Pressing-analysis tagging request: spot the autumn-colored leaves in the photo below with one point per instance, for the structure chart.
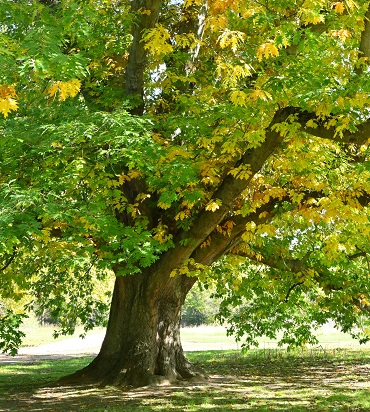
(59, 89)
(63, 90)
(8, 100)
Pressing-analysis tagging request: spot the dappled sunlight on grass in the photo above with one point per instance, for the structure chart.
(256, 381)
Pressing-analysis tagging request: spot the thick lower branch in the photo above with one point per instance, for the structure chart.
(230, 189)
(222, 240)
(365, 36)
(359, 137)
(146, 13)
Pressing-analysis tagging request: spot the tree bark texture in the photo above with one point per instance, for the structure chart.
(136, 66)
(142, 344)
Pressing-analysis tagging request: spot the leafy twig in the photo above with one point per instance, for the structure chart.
(8, 263)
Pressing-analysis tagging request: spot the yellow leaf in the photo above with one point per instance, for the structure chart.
(259, 257)
(7, 91)
(246, 13)
(267, 50)
(185, 40)
(232, 73)
(7, 105)
(213, 205)
(156, 40)
(237, 282)
(74, 86)
(206, 243)
(46, 234)
(133, 174)
(338, 7)
(122, 178)
(260, 94)
(189, 3)
(182, 215)
(311, 16)
(342, 34)
(220, 6)
(231, 39)
(161, 235)
(7, 99)
(184, 270)
(311, 123)
(66, 89)
(238, 97)
(164, 205)
(216, 22)
(241, 172)
(144, 11)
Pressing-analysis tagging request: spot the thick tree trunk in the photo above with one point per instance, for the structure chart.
(142, 345)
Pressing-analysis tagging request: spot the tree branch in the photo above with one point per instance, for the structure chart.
(8, 263)
(359, 137)
(299, 266)
(230, 189)
(220, 242)
(137, 59)
(365, 37)
(290, 290)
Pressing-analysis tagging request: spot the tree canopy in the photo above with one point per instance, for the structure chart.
(225, 141)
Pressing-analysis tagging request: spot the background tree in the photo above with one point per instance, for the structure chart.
(153, 139)
(200, 307)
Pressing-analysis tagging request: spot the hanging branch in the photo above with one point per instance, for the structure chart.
(8, 263)
(290, 290)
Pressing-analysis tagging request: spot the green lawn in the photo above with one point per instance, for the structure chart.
(37, 335)
(259, 381)
(327, 335)
(333, 376)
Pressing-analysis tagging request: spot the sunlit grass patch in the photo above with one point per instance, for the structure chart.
(258, 381)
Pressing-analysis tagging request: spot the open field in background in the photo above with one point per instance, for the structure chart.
(327, 335)
(37, 335)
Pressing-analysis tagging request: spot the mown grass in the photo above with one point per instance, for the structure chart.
(37, 335)
(261, 380)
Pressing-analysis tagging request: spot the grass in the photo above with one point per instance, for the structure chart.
(259, 381)
(327, 336)
(37, 335)
(208, 334)
(326, 378)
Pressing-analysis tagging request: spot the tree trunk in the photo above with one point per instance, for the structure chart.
(142, 343)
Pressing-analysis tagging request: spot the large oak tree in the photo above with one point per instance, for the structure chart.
(171, 141)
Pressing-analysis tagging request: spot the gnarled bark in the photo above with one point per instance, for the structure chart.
(142, 344)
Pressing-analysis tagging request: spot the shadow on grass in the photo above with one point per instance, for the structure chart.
(259, 382)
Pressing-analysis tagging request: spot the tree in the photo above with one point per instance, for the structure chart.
(200, 307)
(164, 140)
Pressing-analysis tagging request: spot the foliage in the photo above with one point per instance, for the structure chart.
(181, 135)
(199, 308)
(11, 335)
